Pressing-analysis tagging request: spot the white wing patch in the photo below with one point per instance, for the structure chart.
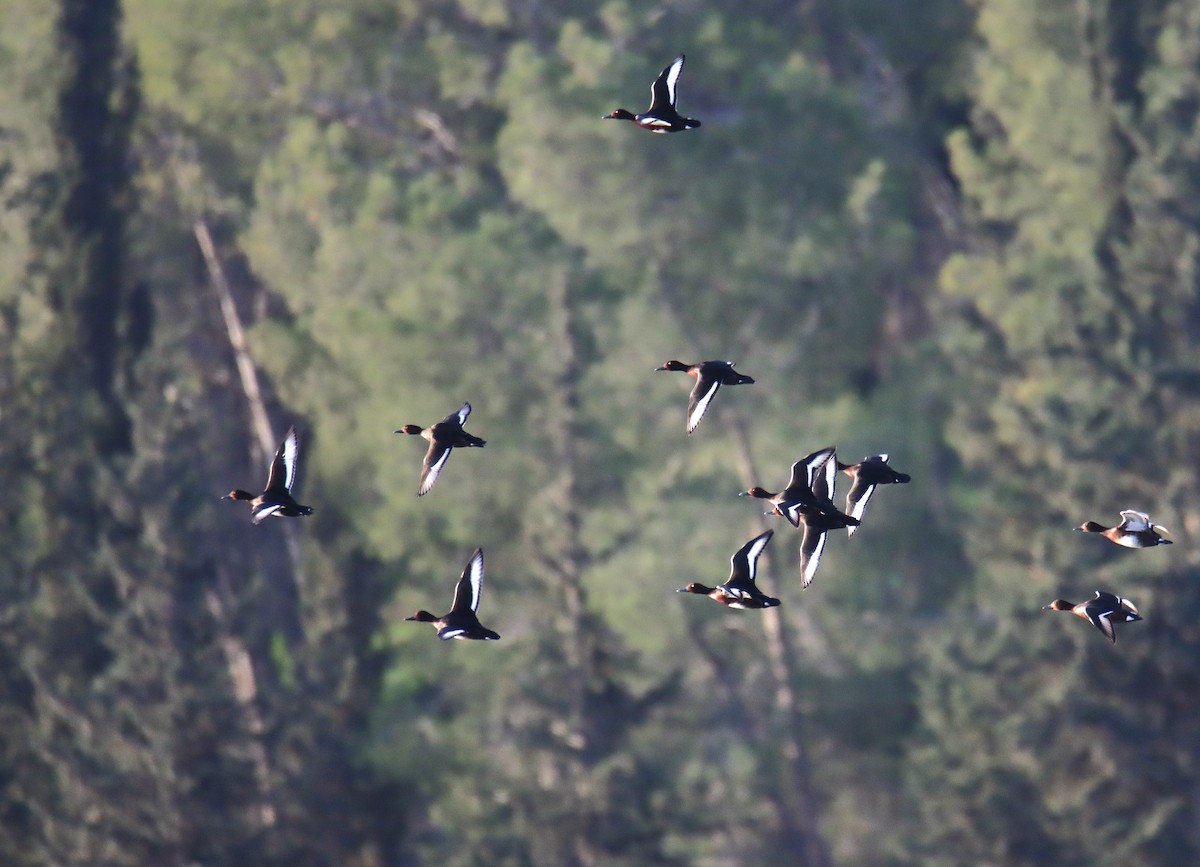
(447, 634)
(831, 471)
(431, 474)
(859, 506)
(733, 592)
(291, 448)
(1105, 626)
(1136, 521)
(264, 513)
(463, 413)
(756, 548)
(792, 513)
(475, 573)
(816, 462)
(701, 404)
(810, 555)
(673, 78)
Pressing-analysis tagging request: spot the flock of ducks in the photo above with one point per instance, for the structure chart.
(806, 501)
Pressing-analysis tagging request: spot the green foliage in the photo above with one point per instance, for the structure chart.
(964, 234)
(1066, 326)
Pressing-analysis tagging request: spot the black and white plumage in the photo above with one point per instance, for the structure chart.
(443, 437)
(276, 498)
(709, 376)
(740, 590)
(1103, 612)
(807, 489)
(821, 518)
(661, 116)
(868, 473)
(1136, 530)
(461, 621)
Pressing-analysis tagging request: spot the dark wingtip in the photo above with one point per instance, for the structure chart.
(903, 478)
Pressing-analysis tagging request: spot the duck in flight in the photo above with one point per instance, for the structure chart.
(461, 621)
(276, 498)
(710, 376)
(811, 476)
(446, 435)
(740, 589)
(1103, 612)
(819, 521)
(1136, 530)
(867, 474)
(661, 116)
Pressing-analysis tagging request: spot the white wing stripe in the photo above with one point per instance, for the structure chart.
(752, 554)
(673, 78)
(291, 446)
(476, 568)
(701, 405)
(434, 470)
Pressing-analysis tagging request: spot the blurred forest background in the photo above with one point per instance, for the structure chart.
(965, 232)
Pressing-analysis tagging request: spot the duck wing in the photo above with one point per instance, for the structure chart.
(664, 91)
(703, 392)
(743, 565)
(470, 585)
(856, 500)
(811, 549)
(435, 458)
(283, 467)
